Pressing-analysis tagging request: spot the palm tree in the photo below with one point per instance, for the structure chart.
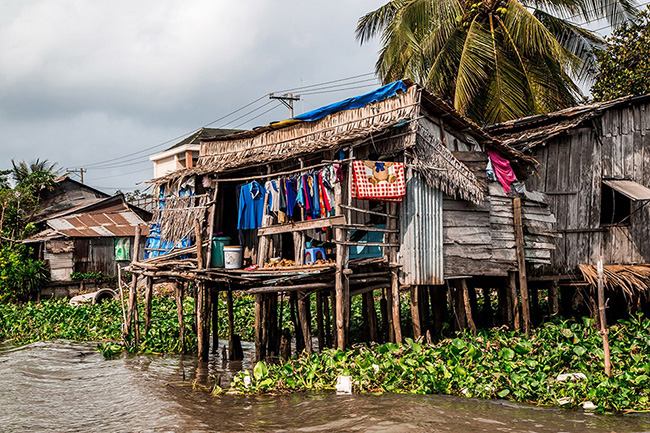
(495, 60)
(21, 171)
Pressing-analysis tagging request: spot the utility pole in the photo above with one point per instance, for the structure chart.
(287, 99)
(81, 172)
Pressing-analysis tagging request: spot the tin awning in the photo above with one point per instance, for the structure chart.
(629, 188)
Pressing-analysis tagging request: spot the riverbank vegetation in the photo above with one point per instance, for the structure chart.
(495, 363)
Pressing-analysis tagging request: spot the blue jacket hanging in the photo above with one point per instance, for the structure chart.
(251, 206)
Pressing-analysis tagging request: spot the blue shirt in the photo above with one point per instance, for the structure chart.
(251, 206)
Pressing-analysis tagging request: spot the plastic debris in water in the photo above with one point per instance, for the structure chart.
(344, 385)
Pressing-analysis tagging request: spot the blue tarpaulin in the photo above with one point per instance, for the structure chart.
(380, 94)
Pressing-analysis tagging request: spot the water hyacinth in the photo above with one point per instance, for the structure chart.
(494, 364)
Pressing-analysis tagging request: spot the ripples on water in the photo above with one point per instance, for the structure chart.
(68, 387)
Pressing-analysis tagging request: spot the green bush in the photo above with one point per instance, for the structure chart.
(20, 276)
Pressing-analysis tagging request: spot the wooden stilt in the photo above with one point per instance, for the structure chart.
(339, 282)
(425, 310)
(148, 294)
(603, 318)
(234, 345)
(387, 313)
(513, 301)
(273, 342)
(303, 305)
(206, 321)
(415, 312)
(328, 320)
(259, 355)
(178, 295)
(133, 293)
(319, 321)
(464, 289)
(300, 342)
(473, 302)
(365, 320)
(215, 321)
(502, 300)
(372, 316)
(456, 301)
(521, 265)
(533, 293)
(553, 299)
(200, 321)
(392, 239)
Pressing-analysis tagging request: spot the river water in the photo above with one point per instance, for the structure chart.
(69, 387)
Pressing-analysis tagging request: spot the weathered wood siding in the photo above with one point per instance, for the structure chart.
(571, 169)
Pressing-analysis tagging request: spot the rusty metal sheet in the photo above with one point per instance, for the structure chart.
(629, 188)
(99, 224)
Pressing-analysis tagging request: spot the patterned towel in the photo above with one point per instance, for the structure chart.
(378, 180)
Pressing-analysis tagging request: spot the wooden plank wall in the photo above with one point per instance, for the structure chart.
(571, 169)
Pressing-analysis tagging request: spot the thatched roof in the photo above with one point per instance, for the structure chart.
(631, 279)
(528, 132)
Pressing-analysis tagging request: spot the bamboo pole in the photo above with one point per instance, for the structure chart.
(415, 312)
(148, 294)
(521, 264)
(392, 237)
(303, 304)
(178, 295)
(215, 321)
(133, 293)
(603, 319)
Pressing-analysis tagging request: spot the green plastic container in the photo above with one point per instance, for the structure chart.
(217, 251)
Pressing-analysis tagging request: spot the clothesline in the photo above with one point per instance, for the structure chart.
(283, 173)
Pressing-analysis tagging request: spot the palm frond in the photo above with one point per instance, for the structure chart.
(473, 67)
(376, 21)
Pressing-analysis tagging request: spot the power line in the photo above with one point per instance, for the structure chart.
(326, 82)
(338, 90)
(259, 115)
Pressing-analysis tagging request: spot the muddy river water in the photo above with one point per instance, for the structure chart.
(69, 387)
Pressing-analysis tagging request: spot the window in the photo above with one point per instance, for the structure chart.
(614, 207)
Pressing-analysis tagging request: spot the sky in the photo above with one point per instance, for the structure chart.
(88, 84)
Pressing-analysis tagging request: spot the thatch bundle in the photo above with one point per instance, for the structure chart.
(442, 170)
(631, 279)
(178, 214)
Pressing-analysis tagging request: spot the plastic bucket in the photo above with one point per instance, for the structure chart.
(232, 256)
(216, 261)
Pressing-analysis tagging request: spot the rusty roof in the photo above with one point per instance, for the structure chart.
(98, 224)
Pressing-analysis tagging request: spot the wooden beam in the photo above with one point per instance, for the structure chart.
(258, 328)
(369, 212)
(300, 226)
(198, 234)
(212, 214)
(303, 305)
(320, 331)
(553, 299)
(200, 320)
(215, 321)
(133, 293)
(466, 304)
(392, 238)
(513, 301)
(521, 264)
(415, 312)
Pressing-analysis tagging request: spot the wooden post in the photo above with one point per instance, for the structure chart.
(332, 331)
(133, 292)
(415, 312)
(521, 264)
(319, 321)
(603, 318)
(211, 219)
(458, 305)
(206, 320)
(303, 305)
(200, 320)
(513, 301)
(339, 277)
(198, 234)
(387, 313)
(425, 310)
(392, 238)
(178, 294)
(328, 323)
(553, 299)
(293, 302)
(372, 316)
(233, 341)
(502, 300)
(258, 328)
(148, 294)
(467, 306)
(215, 321)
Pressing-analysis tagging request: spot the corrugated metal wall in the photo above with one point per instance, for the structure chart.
(421, 233)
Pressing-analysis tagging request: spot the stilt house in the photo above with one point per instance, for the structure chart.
(390, 191)
(595, 169)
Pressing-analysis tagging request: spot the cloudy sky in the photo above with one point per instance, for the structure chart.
(87, 83)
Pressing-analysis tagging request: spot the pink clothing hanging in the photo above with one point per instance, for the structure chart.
(503, 170)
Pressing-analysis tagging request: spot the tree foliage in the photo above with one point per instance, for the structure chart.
(625, 62)
(495, 60)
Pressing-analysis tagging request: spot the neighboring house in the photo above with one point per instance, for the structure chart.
(594, 165)
(185, 153)
(66, 194)
(96, 236)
